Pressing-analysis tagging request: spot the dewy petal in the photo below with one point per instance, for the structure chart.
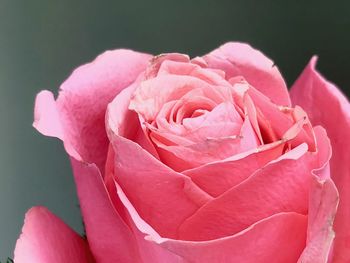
(323, 202)
(238, 59)
(281, 186)
(326, 106)
(77, 116)
(45, 238)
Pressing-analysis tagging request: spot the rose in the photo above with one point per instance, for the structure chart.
(201, 160)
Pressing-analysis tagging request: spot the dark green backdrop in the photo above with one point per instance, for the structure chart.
(42, 41)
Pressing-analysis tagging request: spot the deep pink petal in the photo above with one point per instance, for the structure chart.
(77, 116)
(323, 202)
(149, 251)
(112, 234)
(279, 238)
(217, 177)
(281, 186)
(109, 237)
(45, 238)
(163, 197)
(326, 106)
(238, 59)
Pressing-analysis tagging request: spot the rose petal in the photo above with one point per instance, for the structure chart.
(279, 238)
(184, 157)
(217, 177)
(154, 93)
(326, 106)
(149, 251)
(157, 61)
(213, 77)
(323, 204)
(109, 237)
(120, 120)
(45, 238)
(77, 117)
(162, 196)
(238, 59)
(281, 186)
(112, 234)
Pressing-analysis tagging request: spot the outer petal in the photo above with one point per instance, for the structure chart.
(281, 186)
(279, 238)
(109, 237)
(113, 237)
(326, 106)
(238, 59)
(323, 202)
(77, 117)
(45, 238)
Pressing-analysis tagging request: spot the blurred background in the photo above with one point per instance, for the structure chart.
(41, 42)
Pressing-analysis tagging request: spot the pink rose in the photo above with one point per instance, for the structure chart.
(207, 159)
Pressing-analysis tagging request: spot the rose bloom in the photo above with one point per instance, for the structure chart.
(207, 159)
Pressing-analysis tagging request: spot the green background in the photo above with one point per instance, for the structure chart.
(41, 42)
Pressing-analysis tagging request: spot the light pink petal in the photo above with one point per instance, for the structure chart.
(45, 238)
(77, 117)
(238, 59)
(326, 106)
(281, 186)
(157, 61)
(152, 94)
(222, 121)
(110, 238)
(47, 116)
(213, 77)
(207, 143)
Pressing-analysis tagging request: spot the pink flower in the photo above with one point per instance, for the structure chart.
(207, 159)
